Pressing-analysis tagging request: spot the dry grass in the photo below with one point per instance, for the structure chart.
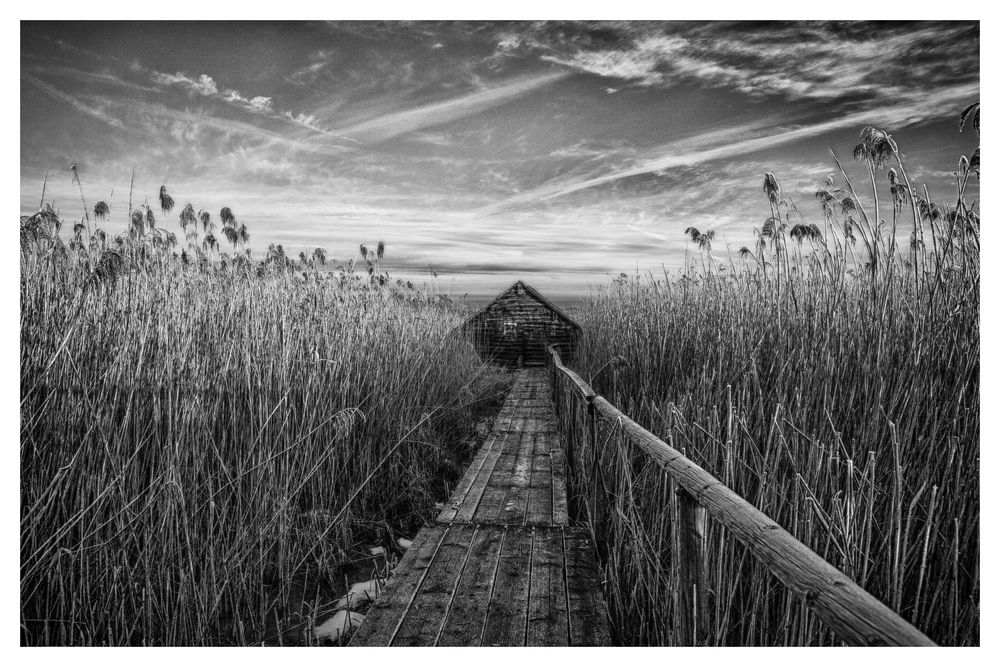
(841, 400)
(199, 446)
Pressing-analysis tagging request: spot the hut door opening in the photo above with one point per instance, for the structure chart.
(514, 341)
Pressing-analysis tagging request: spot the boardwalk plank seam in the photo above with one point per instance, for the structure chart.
(454, 590)
(493, 588)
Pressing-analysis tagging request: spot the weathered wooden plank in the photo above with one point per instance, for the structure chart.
(467, 509)
(515, 504)
(588, 618)
(560, 504)
(467, 616)
(851, 612)
(482, 459)
(539, 507)
(515, 424)
(447, 514)
(509, 410)
(536, 424)
(427, 612)
(501, 424)
(506, 620)
(387, 611)
(548, 617)
(491, 505)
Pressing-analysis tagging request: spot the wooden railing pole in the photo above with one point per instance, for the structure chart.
(569, 435)
(595, 460)
(689, 553)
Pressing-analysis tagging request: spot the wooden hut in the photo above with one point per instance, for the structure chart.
(516, 327)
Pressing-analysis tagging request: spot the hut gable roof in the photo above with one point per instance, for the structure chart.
(533, 293)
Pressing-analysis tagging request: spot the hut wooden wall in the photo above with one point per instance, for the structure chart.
(537, 326)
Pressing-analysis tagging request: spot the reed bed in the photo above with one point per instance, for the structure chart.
(838, 396)
(202, 446)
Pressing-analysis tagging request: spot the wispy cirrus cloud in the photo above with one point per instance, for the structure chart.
(227, 126)
(206, 86)
(318, 61)
(98, 112)
(395, 124)
(102, 77)
(799, 61)
(750, 138)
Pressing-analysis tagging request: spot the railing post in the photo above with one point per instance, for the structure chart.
(569, 436)
(691, 520)
(592, 481)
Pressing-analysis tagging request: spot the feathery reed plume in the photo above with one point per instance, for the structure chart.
(187, 216)
(971, 111)
(232, 235)
(227, 217)
(102, 210)
(206, 221)
(166, 201)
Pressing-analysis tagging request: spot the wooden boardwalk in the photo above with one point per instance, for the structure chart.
(501, 565)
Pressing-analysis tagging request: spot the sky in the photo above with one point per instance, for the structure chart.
(560, 153)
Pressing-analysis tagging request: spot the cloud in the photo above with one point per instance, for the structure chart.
(100, 77)
(707, 147)
(799, 61)
(640, 63)
(145, 115)
(203, 85)
(655, 235)
(309, 122)
(392, 125)
(94, 112)
(256, 103)
(318, 61)
(206, 86)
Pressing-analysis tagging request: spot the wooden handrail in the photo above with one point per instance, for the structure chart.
(585, 391)
(855, 615)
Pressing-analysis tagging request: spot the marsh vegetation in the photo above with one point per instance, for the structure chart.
(830, 375)
(207, 437)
